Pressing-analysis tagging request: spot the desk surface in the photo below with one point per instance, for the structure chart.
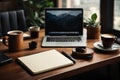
(13, 71)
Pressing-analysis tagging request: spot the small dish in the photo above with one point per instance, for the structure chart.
(98, 45)
(0, 40)
(26, 35)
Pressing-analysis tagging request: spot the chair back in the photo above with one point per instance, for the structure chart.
(12, 20)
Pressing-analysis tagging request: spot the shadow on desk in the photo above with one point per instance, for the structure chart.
(110, 72)
(92, 75)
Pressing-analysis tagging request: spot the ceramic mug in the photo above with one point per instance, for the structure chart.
(108, 40)
(14, 40)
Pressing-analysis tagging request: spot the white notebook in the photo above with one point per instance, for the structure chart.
(45, 61)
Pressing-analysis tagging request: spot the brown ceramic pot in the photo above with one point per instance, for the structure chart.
(93, 32)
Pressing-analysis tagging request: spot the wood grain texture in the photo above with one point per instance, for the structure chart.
(13, 71)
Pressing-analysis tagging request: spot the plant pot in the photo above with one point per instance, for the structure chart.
(93, 32)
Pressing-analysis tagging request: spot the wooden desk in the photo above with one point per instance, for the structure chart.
(13, 71)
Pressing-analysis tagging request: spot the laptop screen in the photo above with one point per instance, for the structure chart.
(67, 21)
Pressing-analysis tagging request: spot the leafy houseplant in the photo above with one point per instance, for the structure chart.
(93, 27)
(34, 10)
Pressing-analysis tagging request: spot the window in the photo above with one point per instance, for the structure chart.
(117, 14)
(116, 21)
(89, 6)
(107, 10)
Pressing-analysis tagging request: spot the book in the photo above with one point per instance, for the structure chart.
(45, 61)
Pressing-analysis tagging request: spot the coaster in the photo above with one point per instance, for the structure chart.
(87, 54)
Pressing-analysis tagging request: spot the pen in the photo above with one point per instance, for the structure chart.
(68, 56)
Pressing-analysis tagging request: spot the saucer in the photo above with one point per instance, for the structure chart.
(98, 45)
(26, 35)
(0, 40)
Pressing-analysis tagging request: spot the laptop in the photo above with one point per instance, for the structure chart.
(64, 28)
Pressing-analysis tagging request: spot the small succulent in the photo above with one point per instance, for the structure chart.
(92, 21)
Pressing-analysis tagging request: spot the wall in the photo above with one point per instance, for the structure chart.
(8, 5)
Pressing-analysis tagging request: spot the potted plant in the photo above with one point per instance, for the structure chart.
(93, 27)
(34, 10)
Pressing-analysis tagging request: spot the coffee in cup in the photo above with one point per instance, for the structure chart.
(107, 40)
(14, 40)
(34, 31)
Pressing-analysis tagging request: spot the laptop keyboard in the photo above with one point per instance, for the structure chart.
(63, 39)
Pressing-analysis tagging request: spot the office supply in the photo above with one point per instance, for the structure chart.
(4, 59)
(45, 61)
(64, 28)
(68, 56)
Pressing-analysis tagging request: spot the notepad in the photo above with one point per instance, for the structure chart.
(45, 61)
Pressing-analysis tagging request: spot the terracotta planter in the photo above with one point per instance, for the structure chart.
(93, 32)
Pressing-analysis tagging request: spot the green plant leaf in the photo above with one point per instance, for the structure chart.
(94, 17)
(92, 21)
(34, 10)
